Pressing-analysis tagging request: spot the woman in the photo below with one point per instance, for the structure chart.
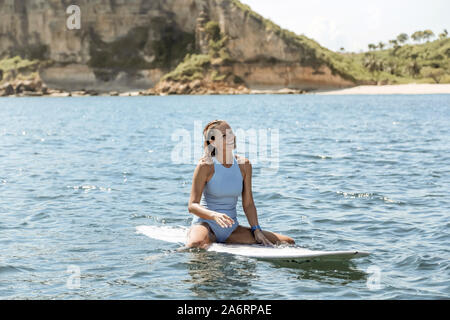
(223, 176)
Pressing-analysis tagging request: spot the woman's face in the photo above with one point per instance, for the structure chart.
(224, 137)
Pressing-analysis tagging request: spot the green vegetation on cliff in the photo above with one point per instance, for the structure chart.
(205, 66)
(191, 68)
(18, 68)
(18, 64)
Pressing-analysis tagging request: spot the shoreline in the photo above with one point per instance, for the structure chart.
(411, 88)
(358, 90)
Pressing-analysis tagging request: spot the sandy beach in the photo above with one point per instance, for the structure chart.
(392, 89)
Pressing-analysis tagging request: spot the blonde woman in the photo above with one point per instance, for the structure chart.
(221, 176)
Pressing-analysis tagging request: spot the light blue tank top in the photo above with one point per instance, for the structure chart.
(222, 191)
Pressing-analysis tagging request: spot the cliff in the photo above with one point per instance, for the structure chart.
(130, 45)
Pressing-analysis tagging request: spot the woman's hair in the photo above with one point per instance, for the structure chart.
(210, 151)
(208, 134)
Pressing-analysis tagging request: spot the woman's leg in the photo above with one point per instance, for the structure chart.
(243, 235)
(200, 236)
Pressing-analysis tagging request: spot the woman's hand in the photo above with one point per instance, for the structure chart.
(261, 238)
(223, 220)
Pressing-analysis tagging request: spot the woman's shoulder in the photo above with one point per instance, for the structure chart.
(205, 162)
(242, 160)
(244, 165)
(205, 167)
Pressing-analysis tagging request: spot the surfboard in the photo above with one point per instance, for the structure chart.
(276, 253)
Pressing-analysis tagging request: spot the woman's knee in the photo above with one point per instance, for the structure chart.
(201, 243)
(283, 239)
(195, 243)
(287, 240)
(290, 240)
(198, 239)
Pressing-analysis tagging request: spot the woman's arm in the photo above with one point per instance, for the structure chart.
(198, 184)
(249, 206)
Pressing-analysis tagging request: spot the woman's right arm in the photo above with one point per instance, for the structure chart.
(198, 184)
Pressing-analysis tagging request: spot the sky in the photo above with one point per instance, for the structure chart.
(353, 24)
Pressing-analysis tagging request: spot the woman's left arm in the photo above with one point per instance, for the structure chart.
(248, 204)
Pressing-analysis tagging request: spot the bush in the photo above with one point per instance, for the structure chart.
(212, 28)
(434, 73)
(190, 69)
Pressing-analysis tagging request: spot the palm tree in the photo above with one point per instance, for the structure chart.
(413, 68)
(373, 64)
(427, 34)
(444, 34)
(402, 38)
(417, 36)
(381, 45)
(393, 43)
(433, 73)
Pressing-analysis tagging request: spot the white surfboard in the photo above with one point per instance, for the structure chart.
(282, 253)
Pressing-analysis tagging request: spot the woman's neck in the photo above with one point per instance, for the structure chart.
(228, 160)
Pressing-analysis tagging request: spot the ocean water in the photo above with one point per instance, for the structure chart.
(77, 175)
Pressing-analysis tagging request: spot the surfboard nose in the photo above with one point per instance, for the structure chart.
(362, 253)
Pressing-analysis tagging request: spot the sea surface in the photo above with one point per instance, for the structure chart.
(77, 175)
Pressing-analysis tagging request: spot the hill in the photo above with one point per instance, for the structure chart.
(158, 43)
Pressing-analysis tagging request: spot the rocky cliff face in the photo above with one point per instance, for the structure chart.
(131, 44)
